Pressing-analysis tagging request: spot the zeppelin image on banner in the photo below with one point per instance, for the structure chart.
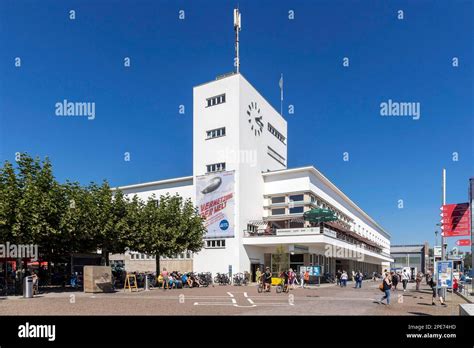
(215, 200)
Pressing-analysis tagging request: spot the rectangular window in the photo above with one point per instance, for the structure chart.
(297, 198)
(218, 99)
(216, 167)
(276, 133)
(280, 199)
(215, 133)
(279, 211)
(296, 210)
(276, 156)
(215, 244)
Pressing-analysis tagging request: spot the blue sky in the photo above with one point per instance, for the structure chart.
(336, 108)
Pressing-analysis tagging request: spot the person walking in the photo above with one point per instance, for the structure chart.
(386, 288)
(405, 279)
(306, 278)
(258, 274)
(358, 280)
(338, 277)
(344, 279)
(394, 277)
(165, 276)
(432, 284)
(419, 278)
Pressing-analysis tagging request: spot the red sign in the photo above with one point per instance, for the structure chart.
(463, 242)
(455, 220)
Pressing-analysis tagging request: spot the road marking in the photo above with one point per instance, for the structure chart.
(230, 294)
(250, 300)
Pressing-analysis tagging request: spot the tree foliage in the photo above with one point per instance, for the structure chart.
(69, 218)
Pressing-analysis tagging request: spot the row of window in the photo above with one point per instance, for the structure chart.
(216, 167)
(276, 133)
(215, 133)
(292, 198)
(282, 211)
(218, 99)
(276, 156)
(140, 256)
(215, 243)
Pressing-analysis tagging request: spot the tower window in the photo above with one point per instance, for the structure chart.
(216, 167)
(218, 99)
(276, 133)
(215, 133)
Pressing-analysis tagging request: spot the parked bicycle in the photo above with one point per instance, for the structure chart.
(222, 279)
(240, 279)
(205, 279)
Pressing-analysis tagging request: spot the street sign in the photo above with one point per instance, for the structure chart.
(455, 220)
(463, 242)
(444, 274)
(437, 251)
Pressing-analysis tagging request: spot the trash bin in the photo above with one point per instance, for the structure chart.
(28, 287)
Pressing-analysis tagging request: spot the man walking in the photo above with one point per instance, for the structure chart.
(405, 279)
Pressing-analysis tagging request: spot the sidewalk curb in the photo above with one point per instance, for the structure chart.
(464, 297)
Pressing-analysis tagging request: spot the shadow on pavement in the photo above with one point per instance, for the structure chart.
(419, 313)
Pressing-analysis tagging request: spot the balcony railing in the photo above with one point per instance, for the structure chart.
(312, 231)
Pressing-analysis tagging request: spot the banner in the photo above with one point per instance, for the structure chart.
(215, 201)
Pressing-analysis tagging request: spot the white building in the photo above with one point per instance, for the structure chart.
(253, 202)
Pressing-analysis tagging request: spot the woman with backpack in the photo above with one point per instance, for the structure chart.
(386, 287)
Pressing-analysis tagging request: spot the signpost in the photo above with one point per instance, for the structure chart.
(455, 220)
(463, 242)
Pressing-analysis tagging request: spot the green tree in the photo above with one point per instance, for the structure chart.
(170, 226)
(108, 224)
(280, 260)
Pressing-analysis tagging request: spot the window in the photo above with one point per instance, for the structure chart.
(280, 199)
(276, 133)
(296, 210)
(297, 198)
(279, 211)
(215, 244)
(215, 133)
(276, 156)
(218, 99)
(216, 167)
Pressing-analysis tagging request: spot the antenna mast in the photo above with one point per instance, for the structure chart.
(237, 27)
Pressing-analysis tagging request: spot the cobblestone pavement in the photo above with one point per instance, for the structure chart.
(328, 299)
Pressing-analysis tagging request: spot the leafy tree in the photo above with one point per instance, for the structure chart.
(280, 260)
(108, 213)
(171, 226)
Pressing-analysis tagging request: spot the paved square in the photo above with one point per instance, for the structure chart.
(328, 299)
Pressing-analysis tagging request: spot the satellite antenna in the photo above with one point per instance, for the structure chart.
(237, 27)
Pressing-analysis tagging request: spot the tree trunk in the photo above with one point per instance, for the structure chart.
(105, 257)
(157, 260)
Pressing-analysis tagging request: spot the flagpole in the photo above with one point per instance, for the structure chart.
(281, 95)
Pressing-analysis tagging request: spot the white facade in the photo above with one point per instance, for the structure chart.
(236, 129)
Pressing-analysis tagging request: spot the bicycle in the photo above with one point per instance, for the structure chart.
(283, 286)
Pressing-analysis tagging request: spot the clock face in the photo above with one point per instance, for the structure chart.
(255, 118)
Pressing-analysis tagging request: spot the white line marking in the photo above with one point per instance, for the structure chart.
(230, 294)
(245, 294)
(234, 300)
(250, 300)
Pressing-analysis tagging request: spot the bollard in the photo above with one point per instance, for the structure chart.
(147, 286)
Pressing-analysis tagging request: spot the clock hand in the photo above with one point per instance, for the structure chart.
(259, 120)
